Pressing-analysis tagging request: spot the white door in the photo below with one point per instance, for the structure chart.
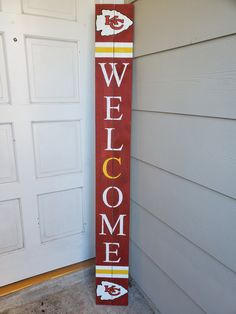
(46, 126)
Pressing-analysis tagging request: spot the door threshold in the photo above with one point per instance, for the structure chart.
(20, 285)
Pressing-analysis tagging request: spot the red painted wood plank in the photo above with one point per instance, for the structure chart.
(114, 49)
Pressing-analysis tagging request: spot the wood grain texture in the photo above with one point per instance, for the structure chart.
(179, 23)
(113, 77)
(200, 276)
(199, 149)
(194, 80)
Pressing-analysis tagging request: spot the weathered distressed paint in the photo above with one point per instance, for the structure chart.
(113, 51)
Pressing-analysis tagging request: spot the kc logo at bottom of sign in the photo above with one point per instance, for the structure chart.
(110, 291)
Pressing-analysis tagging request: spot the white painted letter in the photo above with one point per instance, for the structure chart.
(108, 252)
(120, 221)
(120, 196)
(109, 107)
(113, 73)
(109, 131)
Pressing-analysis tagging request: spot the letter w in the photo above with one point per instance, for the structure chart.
(120, 221)
(113, 73)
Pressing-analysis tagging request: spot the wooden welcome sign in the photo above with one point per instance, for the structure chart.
(114, 51)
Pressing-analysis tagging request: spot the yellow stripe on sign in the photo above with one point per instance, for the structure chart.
(114, 49)
(112, 272)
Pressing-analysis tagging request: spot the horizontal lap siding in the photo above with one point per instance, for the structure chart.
(167, 24)
(203, 216)
(183, 187)
(202, 150)
(161, 289)
(201, 78)
(201, 277)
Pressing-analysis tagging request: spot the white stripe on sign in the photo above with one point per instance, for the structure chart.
(112, 271)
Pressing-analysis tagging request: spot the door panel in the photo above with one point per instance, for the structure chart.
(55, 207)
(46, 104)
(65, 9)
(11, 232)
(53, 70)
(48, 147)
(4, 98)
(7, 154)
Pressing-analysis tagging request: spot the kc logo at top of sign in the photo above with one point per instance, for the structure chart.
(112, 22)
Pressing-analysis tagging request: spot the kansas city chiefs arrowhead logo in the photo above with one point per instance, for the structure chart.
(112, 22)
(110, 291)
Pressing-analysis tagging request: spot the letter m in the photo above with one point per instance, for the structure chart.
(114, 73)
(120, 221)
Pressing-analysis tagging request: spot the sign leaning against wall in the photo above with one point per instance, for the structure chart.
(113, 52)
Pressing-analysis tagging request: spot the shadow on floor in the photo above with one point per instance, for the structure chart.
(71, 294)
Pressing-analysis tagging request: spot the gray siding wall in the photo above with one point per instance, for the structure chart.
(183, 189)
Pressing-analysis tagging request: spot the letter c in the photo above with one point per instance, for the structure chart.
(104, 168)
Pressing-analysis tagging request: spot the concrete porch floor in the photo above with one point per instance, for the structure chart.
(71, 294)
